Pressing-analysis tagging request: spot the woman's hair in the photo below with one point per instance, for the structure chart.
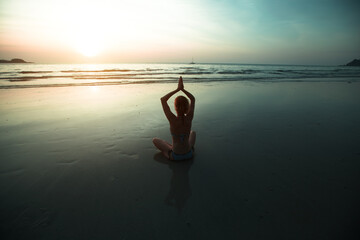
(181, 105)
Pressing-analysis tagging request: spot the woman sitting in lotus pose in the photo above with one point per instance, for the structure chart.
(183, 139)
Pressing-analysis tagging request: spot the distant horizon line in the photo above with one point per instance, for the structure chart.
(190, 63)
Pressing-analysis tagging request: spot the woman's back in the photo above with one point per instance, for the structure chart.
(180, 130)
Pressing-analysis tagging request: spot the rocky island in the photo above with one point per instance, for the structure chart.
(14, 60)
(355, 62)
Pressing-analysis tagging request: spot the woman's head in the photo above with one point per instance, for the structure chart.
(181, 105)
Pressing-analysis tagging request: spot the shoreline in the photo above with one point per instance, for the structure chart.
(149, 82)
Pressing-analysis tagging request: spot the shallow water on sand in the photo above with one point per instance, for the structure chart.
(272, 160)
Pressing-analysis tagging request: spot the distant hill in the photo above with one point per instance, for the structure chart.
(14, 60)
(355, 62)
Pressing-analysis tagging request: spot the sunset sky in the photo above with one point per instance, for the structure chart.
(233, 31)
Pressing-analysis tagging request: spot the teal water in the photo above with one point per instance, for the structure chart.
(52, 75)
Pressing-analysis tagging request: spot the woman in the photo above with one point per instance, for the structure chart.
(183, 139)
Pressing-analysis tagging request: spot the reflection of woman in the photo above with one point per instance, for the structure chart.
(183, 139)
(180, 190)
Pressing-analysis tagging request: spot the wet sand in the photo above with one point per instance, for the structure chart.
(273, 161)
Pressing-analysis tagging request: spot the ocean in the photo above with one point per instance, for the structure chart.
(59, 75)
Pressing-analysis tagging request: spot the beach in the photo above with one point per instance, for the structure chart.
(273, 160)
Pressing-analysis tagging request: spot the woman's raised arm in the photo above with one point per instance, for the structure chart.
(180, 87)
(169, 115)
(192, 99)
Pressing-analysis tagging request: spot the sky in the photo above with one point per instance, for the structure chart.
(321, 32)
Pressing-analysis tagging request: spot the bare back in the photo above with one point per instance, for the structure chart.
(180, 128)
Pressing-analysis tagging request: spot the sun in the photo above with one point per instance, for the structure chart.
(88, 29)
(88, 40)
(88, 48)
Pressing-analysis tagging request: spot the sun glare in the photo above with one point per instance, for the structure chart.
(88, 28)
(95, 28)
(88, 48)
(103, 27)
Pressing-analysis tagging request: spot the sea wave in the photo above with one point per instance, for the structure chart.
(43, 75)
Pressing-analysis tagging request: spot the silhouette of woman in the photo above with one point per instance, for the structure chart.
(183, 139)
